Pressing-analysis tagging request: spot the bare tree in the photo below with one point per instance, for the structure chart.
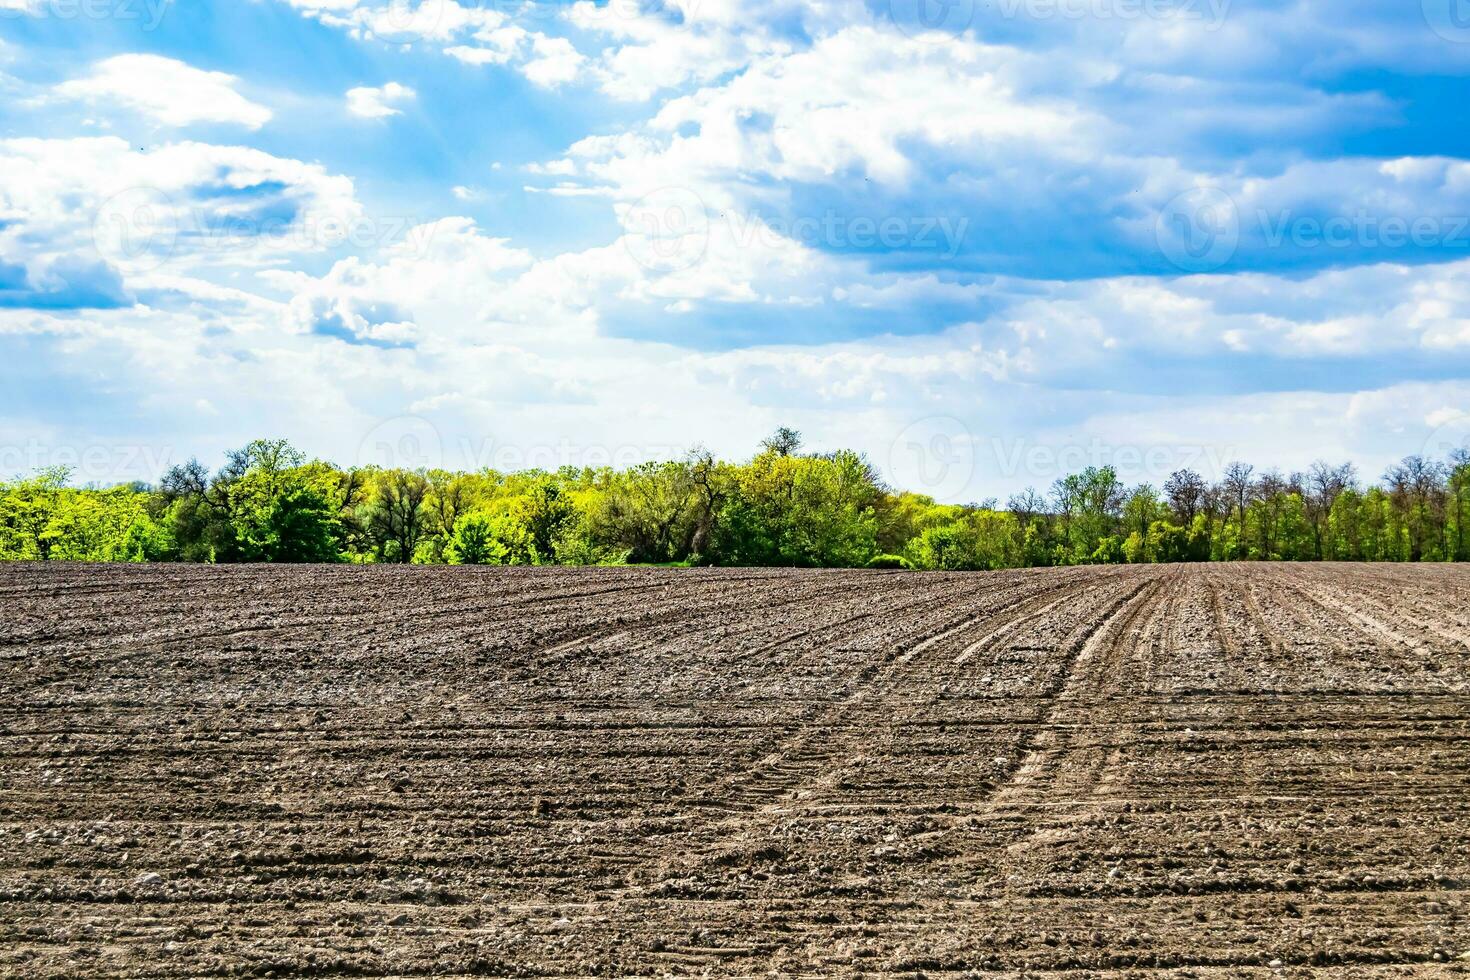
(1237, 488)
(1322, 485)
(1416, 488)
(1185, 491)
(1271, 490)
(783, 442)
(1027, 506)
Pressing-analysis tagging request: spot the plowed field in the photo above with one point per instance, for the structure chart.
(1223, 770)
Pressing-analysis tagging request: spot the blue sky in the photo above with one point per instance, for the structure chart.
(984, 242)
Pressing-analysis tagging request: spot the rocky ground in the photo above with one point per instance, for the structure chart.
(1223, 771)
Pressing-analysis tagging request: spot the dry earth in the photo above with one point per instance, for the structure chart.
(1200, 771)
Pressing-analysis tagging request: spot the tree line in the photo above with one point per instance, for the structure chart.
(783, 508)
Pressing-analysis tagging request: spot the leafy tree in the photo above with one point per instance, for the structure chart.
(398, 517)
(481, 539)
(1088, 504)
(1322, 485)
(268, 502)
(1416, 489)
(544, 512)
(1140, 511)
(29, 512)
(647, 511)
(1109, 551)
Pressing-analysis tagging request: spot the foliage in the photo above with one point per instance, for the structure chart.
(784, 507)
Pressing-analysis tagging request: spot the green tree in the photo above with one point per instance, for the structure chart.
(398, 517)
(281, 508)
(29, 514)
(544, 512)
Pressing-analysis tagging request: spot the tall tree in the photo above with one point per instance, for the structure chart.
(1185, 491)
(783, 442)
(1237, 486)
(398, 517)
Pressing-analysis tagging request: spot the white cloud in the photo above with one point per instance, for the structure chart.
(380, 302)
(760, 112)
(475, 34)
(554, 62)
(169, 92)
(178, 206)
(378, 103)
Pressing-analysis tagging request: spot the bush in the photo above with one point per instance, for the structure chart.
(1109, 552)
(890, 561)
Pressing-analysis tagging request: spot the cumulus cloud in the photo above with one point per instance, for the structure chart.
(368, 302)
(475, 34)
(166, 91)
(80, 213)
(380, 102)
(810, 212)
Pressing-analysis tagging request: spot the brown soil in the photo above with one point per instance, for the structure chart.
(1223, 771)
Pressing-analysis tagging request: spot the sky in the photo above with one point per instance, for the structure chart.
(986, 242)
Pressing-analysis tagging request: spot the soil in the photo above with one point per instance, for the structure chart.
(1208, 771)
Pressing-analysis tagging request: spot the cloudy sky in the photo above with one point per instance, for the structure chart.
(985, 242)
